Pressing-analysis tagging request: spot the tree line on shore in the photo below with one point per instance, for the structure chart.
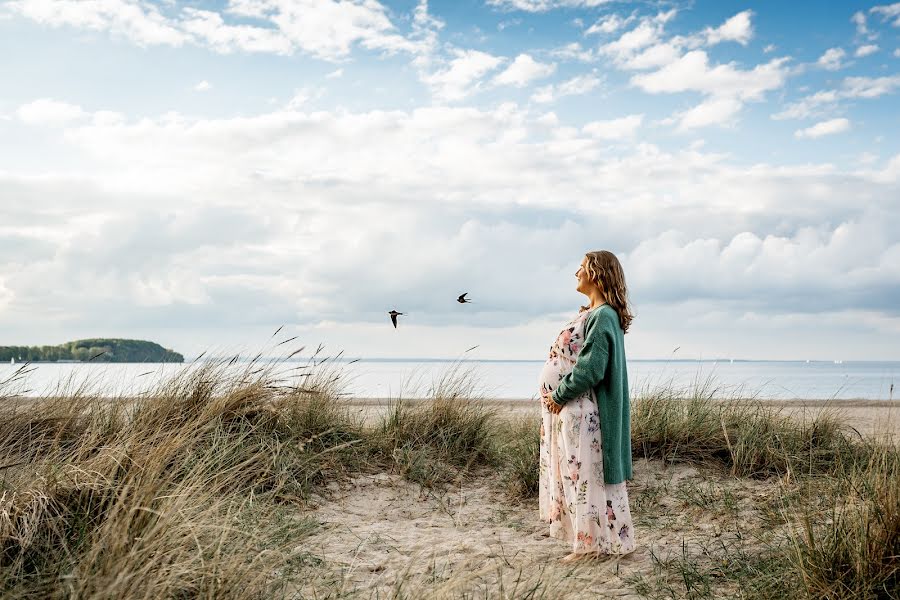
(94, 350)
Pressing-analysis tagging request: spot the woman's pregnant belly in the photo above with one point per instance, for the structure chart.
(554, 369)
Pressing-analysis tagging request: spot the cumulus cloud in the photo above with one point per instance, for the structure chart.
(713, 111)
(887, 12)
(859, 19)
(47, 111)
(824, 128)
(727, 87)
(832, 59)
(203, 86)
(677, 64)
(738, 28)
(545, 5)
(141, 23)
(523, 70)
(574, 51)
(475, 197)
(462, 74)
(692, 72)
(609, 24)
(869, 87)
(614, 129)
(326, 29)
(576, 86)
(826, 100)
(865, 50)
(809, 106)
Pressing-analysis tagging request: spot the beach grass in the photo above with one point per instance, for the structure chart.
(206, 487)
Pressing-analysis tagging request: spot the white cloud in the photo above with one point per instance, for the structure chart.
(184, 253)
(614, 129)
(523, 70)
(545, 5)
(738, 28)
(645, 46)
(682, 66)
(47, 111)
(851, 87)
(210, 29)
(140, 22)
(887, 12)
(692, 72)
(832, 59)
(578, 85)
(462, 75)
(336, 74)
(326, 29)
(647, 33)
(823, 128)
(769, 49)
(808, 106)
(203, 86)
(712, 111)
(869, 87)
(609, 24)
(574, 51)
(897, 53)
(859, 19)
(865, 50)
(302, 97)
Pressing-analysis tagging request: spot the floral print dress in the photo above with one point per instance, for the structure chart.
(581, 509)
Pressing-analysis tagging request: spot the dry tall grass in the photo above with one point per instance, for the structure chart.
(191, 490)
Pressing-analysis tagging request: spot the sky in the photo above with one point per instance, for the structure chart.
(199, 173)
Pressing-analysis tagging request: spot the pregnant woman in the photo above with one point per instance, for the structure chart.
(585, 454)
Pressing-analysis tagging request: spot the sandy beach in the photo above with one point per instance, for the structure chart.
(381, 531)
(877, 418)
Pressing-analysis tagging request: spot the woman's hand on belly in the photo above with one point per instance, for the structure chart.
(551, 405)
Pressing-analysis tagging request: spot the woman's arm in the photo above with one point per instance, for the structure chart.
(590, 365)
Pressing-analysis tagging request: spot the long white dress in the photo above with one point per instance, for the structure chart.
(581, 509)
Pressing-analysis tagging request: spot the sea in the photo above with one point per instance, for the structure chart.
(502, 379)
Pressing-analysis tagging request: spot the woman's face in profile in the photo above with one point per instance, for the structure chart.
(584, 282)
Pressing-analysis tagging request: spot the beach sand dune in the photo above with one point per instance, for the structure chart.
(381, 531)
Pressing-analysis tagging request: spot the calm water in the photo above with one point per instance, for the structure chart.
(512, 379)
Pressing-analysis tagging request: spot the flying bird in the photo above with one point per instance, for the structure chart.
(394, 315)
(462, 298)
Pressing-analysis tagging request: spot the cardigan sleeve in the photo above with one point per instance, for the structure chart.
(590, 365)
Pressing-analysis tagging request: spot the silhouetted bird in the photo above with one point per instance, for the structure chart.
(462, 298)
(394, 315)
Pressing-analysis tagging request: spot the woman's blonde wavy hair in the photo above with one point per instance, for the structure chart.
(604, 269)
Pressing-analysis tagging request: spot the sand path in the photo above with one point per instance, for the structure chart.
(378, 531)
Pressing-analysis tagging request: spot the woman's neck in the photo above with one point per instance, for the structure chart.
(597, 298)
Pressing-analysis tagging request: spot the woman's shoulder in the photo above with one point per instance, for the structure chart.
(604, 314)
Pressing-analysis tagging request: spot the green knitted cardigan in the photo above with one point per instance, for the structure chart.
(600, 366)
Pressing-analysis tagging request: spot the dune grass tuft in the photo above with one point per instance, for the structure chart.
(187, 491)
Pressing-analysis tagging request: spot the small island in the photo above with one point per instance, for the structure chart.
(93, 350)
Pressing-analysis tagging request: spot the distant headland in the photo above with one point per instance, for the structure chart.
(92, 350)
